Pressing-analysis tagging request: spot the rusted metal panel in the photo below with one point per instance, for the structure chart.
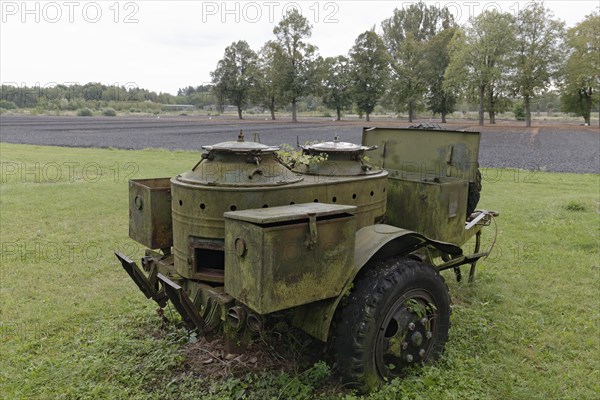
(427, 152)
(150, 212)
(274, 266)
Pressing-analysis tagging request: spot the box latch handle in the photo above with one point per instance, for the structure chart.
(312, 226)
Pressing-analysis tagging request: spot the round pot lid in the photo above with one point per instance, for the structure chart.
(337, 146)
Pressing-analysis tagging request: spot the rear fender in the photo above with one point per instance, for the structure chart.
(381, 241)
(374, 242)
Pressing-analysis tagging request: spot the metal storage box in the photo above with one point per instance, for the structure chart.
(432, 205)
(282, 257)
(150, 212)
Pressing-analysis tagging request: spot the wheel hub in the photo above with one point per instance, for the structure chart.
(416, 339)
(405, 335)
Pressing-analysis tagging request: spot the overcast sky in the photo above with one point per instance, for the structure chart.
(166, 45)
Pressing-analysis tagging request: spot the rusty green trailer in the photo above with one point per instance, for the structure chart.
(357, 239)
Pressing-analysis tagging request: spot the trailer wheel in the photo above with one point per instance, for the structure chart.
(474, 193)
(397, 316)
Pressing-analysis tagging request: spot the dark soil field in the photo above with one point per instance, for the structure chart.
(547, 146)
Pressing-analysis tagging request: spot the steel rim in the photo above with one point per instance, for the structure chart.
(405, 338)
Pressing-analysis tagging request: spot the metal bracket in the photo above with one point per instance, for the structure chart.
(482, 216)
(461, 260)
(183, 304)
(312, 225)
(474, 263)
(148, 286)
(383, 153)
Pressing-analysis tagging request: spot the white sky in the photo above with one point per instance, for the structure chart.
(166, 45)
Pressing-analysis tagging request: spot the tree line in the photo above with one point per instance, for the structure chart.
(96, 95)
(422, 59)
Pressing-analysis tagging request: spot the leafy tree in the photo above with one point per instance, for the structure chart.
(220, 96)
(199, 96)
(295, 59)
(404, 35)
(266, 90)
(235, 75)
(481, 56)
(582, 71)
(188, 91)
(7, 105)
(539, 52)
(548, 102)
(370, 70)
(498, 97)
(337, 84)
(92, 91)
(438, 98)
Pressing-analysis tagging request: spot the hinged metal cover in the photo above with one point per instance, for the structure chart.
(425, 151)
(341, 159)
(292, 212)
(337, 146)
(241, 147)
(239, 164)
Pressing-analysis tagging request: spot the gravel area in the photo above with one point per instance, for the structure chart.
(548, 147)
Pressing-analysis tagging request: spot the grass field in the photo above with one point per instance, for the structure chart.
(73, 326)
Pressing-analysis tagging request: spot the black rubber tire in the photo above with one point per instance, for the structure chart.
(474, 193)
(373, 328)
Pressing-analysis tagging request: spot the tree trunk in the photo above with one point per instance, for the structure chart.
(443, 117)
(368, 119)
(339, 114)
(588, 106)
(527, 111)
(294, 119)
(272, 107)
(410, 111)
(240, 112)
(491, 108)
(481, 96)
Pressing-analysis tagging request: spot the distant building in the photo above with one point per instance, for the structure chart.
(179, 107)
(214, 107)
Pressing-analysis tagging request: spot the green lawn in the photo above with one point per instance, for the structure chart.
(72, 324)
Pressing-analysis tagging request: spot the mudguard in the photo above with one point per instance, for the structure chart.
(383, 241)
